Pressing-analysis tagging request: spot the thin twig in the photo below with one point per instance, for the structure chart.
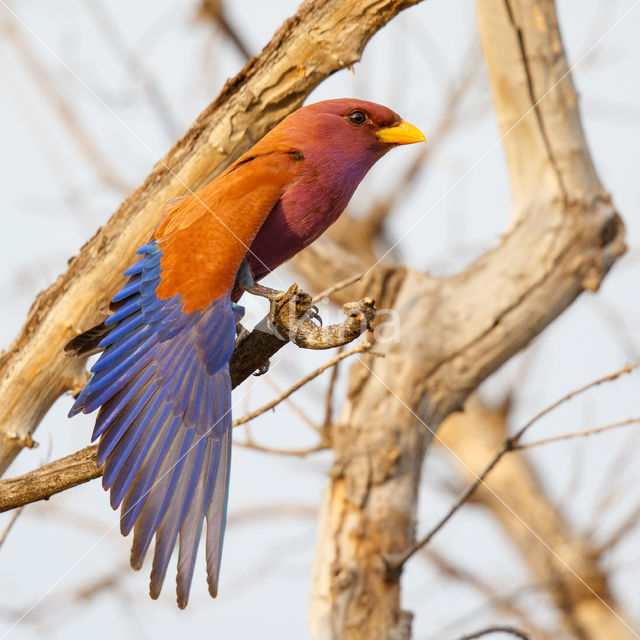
(214, 10)
(504, 603)
(361, 348)
(157, 99)
(328, 412)
(395, 562)
(490, 630)
(624, 529)
(14, 517)
(247, 444)
(616, 468)
(329, 291)
(577, 434)
(296, 408)
(608, 378)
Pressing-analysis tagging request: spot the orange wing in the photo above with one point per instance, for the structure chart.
(205, 236)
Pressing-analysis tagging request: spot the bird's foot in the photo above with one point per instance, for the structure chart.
(273, 295)
(302, 306)
(277, 299)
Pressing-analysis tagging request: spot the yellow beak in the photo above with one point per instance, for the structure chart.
(403, 133)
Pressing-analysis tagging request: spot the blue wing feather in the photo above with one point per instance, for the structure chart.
(162, 384)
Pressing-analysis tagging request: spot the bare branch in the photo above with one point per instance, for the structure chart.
(159, 102)
(50, 479)
(361, 348)
(502, 603)
(299, 453)
(491, 630)
(629, 523)
(572, 394)
(328, 411)
(290, 319)
(395, 562)
(577, 434)
(12, 521)
(213, 10)
(295, 407)
(291, 323)
(338, 286)
(560, 557)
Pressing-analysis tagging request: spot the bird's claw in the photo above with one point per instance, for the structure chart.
(263, 369)
(314, 314)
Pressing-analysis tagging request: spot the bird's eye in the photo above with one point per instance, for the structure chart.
(358, 118)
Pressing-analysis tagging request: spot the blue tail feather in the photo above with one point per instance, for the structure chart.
(121, 330)
(173, 519)
(119, 453)
(142, 476)
(160, 496)
(124, 369)
(185, 392)
(111, 410)
(155, 429)
(216, 514)
(128, 418)
(138, 374)
(135, 269)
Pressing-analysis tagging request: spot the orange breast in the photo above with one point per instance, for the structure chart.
(205, 236)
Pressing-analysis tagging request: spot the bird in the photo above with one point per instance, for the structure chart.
(161, 384)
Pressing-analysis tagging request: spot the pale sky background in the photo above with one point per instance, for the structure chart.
(54, 200)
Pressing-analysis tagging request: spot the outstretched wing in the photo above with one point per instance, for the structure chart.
(163, 388)
(162, 380)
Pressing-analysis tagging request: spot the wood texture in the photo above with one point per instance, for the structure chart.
(322, 37)
(565, 235)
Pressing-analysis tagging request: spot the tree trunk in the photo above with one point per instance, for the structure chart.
(456, 331)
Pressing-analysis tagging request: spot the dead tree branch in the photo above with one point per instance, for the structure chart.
(251, 354)
(361, 348)
(157, 98)
(592, 431)
(213, 10)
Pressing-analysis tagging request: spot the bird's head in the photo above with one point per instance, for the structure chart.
(344, 136)
(349, 127)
